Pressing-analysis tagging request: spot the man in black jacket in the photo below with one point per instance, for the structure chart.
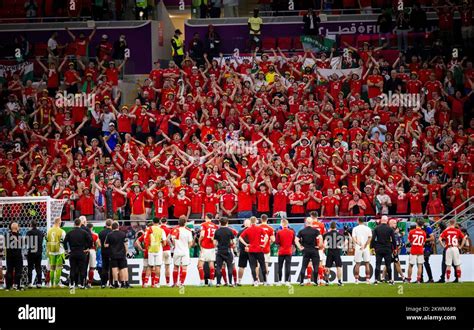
(311, 23)
(35, 252)
(14, 258)
(117, 242)
(89, 232)
(334, 242)
(77, 242)
(307, 241)
(223, 239)
(105, 254)
(384, 242)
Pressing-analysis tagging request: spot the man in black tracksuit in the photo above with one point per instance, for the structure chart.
(223, 238)
(306, 241)
(14, 257)
(77, 242)
(334, 242)
(105, 254)
(384, 242)
(86, 263)
(35, 253)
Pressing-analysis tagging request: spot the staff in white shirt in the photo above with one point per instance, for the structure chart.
(361, 236)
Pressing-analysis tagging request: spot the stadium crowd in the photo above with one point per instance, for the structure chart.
(245, 137)
(213, 137)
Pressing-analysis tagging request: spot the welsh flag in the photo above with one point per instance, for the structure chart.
(25, 70)
(317, 43)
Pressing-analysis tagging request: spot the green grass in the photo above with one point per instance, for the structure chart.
(349, 290)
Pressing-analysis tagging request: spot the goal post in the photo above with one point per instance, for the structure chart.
(23, 210)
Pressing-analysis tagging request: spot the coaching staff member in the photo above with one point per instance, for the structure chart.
(334, 242)
(14, 257)
(309, 240)
(223, 238)
(384, 242)
(257, 239)
(105, 254)
(77, 242)
(89, 232)
(243, 255)
(285, 239)
(117, 242)
(35, 253)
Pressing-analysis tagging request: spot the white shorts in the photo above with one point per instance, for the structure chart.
(416, 259)
(452, 256)
(181, 260)
(155, 258)
(322, 257)
(167, 257)
(267, 257)
(207, 255)
(361, 255)
(92, 258)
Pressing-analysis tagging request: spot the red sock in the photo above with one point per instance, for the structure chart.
(167, 279)
(212, 273)
(224, 274)
(234, 275)
(309, 271)
(321, 272)
(418, 278)
(153, 278)
(458, 273)
(47, 277)
(448, 273)
(201, 273)
(144, 278)
(91, 276)
(175, 277)
(183, 276)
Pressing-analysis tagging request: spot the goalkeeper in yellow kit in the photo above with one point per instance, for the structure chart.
(55, 251)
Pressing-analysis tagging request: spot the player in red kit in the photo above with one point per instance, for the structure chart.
(285, 239)
(166, 250)
(417, 238)
(449, 239)
(271, 234)
(141, 246)
(208, 253)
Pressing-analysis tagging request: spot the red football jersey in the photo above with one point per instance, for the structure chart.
(209, 229)
(452, 237)
(417, 238)
(270, 232)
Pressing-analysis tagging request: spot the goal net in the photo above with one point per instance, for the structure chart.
(23, 210)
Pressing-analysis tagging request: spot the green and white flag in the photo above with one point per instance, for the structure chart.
(24, 69)
(317, 44)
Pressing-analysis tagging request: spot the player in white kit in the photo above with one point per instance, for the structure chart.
(361, 236)
(183, 241)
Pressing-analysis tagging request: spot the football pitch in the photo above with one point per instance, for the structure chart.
(401, 290)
